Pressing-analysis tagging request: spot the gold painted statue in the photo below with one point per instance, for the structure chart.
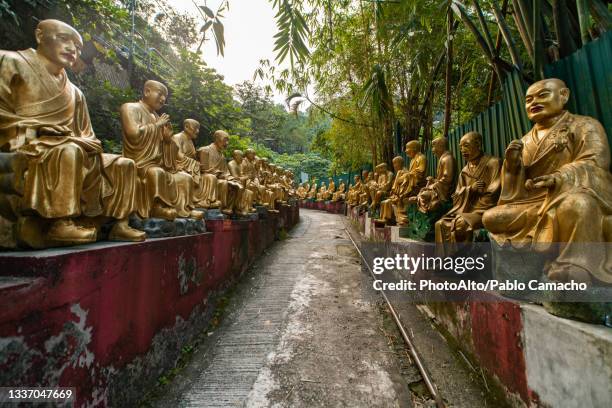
(163, 191)
(248, 168)
(369, 181)
(477, 191)
(70, 185)
(302, 191)
(379, 190)
(331, 189)
(245, 202)
(322, 191)
(212, 161)
(205, 191)
(437, 190)
(339, 195)
(407, 184)
(312, 193)
(557, 188)
(352, 197)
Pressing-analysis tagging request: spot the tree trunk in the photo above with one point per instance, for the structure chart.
(449, 72)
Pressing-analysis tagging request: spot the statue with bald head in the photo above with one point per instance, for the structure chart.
(245, 203)
(557, 188)
(437, 190)
(212, 161)
(205, 190)
(56, 186)
(477, 190)
(406, 185)
(165, 191)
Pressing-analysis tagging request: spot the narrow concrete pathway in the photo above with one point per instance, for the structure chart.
(305, 330)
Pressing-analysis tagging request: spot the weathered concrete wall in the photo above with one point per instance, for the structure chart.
(109, 318)
(338, 207)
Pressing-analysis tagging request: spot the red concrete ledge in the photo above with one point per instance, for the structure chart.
(109, 318)
(338, 207)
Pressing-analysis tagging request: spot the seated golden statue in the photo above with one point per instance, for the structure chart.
(322, 191)
(164, 191)
(557, 188)
(312, 193)
(301, 191)
(369, 181)
(352, 197)
(246, 196)
(437, 190)
(477, 190)
(212, 161)
(58, 186)
(339, 195)
(331, 189)
(406, 185)
(248, 168)
(205, 191)
(380, 189)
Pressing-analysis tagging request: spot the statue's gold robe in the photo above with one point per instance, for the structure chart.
(408, 185)
(213, 162)
(205, 191)
(468, 203)
(246, 196)
(578, 210)
(440, 187)
(67, 176)
(158, 177)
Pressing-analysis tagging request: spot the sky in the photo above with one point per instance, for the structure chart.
(249, 30)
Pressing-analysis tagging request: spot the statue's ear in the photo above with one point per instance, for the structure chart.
(565, 94)
(38, 34)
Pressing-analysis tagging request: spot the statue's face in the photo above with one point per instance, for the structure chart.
(411, 152)
(437, 148)
(238, 157)
(59, 43)
(469, 147)
(545, 99)
(250, 155)
(397, 165)
(192, 129)
(155, 96)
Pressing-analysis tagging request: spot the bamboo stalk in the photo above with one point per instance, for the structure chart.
(583, 20)
(538, 43)
(505, 33)
(449, 71)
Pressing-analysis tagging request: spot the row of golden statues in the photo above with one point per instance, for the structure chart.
(554, 187)
(57, 186)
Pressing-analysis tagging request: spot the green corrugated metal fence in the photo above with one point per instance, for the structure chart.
(586, 72)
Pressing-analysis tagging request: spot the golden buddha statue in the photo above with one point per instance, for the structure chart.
(322, 191)
(352, 196)
(248, 168)
(246, 196)
(339, 195)
(407, 184)
(312, 193)
(212, 161)
(437, 189)
(58, 186)
(164, 191)
(379, 190)
(331, 189)
(205, 191)
(556, 188)
(369, 181)
(477, 190)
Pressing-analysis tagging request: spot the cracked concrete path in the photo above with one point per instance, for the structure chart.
(305, 330)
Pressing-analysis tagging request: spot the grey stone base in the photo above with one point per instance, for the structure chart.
(262, 211)
(160, 228)
(213, 214)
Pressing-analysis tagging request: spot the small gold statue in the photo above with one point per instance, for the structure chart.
(205, 190)
(477, 190)
(369, 181)
(331, 189)
(212, 161)
(339, 195)
(312, 193)
(164, 191)
(249, 169)
(437, 190)
(379, 190)
(557, 188)
(352, 197)
(70, 184)
(245, 201)
(407, 184)
(322, 191)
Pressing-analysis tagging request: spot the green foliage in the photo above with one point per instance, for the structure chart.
(311, 163)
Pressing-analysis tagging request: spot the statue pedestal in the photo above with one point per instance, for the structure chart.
(213, 214)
